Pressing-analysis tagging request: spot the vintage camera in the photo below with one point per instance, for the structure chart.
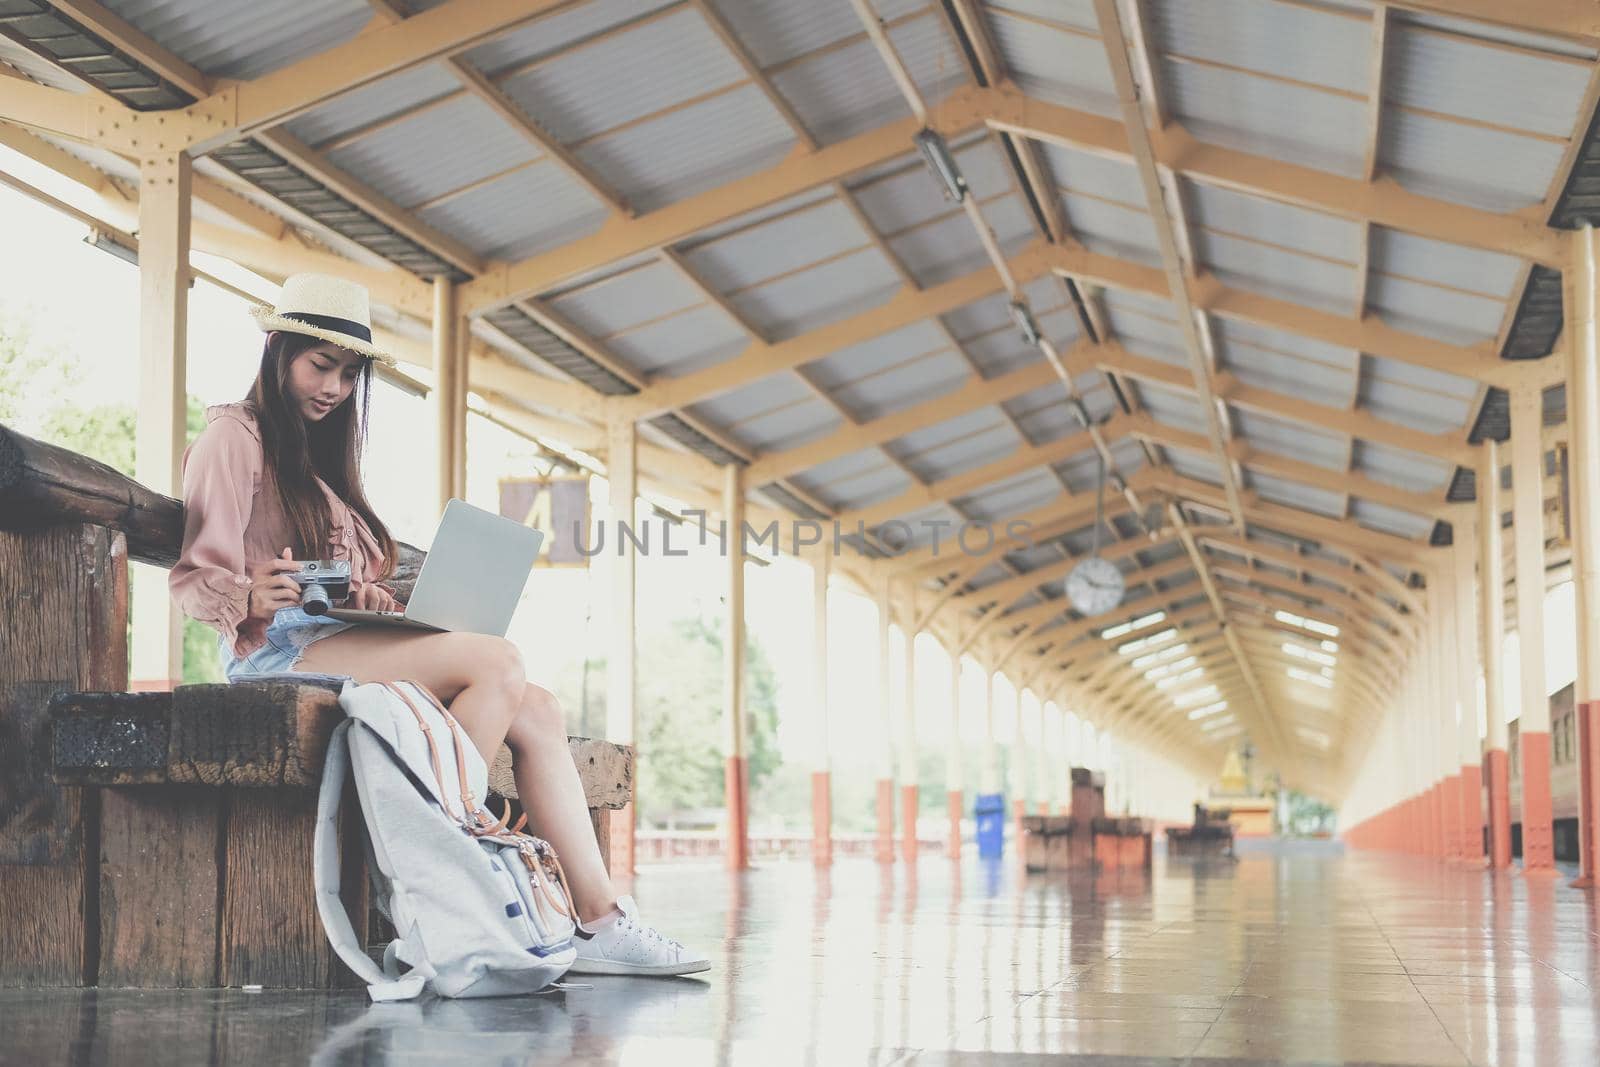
(323, 583)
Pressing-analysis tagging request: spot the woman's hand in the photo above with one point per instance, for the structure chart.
(271, 587)
(374, 597)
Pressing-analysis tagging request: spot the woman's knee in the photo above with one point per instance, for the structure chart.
(540, 719)
(497, 663)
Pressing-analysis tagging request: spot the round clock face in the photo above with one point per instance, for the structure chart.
(1095, 586)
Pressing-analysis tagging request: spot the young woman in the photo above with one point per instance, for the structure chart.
(277, 479)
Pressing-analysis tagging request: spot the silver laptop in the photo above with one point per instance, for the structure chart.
(471, 579)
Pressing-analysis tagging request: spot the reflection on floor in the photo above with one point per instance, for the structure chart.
(1290, 954)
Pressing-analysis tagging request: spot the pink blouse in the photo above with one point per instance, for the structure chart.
(230, 525)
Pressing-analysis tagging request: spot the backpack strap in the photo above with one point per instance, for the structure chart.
(330, 907)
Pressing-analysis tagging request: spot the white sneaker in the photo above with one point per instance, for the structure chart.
(625, 945)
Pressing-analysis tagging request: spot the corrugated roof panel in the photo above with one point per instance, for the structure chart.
(242, 39)
(1268, 118)
(1277, 272)
(870, 485)
(1471, 165)
(1390, 520)
(1424, 259)
(1001, 351)
(1112, 229)
(1488, 31)
(1054, 64)
(1145, 326)
(936, 251)
(842, 468)
(878, 354)
(950, 457)
(1445, 314)
(901, 198)
(700, 337)
(494, 220)
(1483, 82)
(778, 30)
(391, 96)
(928, 51)
(920, 528)
(1043, 415)
(688, 151)
(765, 251)
(1271, 342)
(435, 151)
(1406, 470)
(901, 386)
(772, 414)
(980, 317)
(1015, 496)
(1295, 440)
(1171, 407)
(1431, 411)
(1272, 222)
(822, 294)
(638, 72)
(1295, 495)
(1099, 177)
(1287, 40)
(1011, 221)
(1282, 373)
(569, 28)
(627, 299)
(841, 92)
(1060, 324)
(968, 425)
(1201, 467)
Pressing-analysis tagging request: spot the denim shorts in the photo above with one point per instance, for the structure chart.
(289, 634)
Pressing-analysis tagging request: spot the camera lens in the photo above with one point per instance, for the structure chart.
(314, 600)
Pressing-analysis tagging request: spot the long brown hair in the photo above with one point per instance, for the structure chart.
(296, 451)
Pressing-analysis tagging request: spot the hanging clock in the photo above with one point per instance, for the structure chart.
(1095, 585)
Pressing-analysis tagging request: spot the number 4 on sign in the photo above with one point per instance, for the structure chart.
(539, 518)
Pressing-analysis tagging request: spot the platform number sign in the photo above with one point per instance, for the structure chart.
(557, 506)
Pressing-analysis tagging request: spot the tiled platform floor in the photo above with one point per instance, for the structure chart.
(1290, 955)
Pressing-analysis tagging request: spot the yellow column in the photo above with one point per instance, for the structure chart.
(164, 204)
(885, 798)
(1533, 729)
(821, 764)
(1491, 598)
(1583, 420)
(1468, 705)
(953, 783)
(736, 774)
(909, 799)
(622, 714)
(449, 392)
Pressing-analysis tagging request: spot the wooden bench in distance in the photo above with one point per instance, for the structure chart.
(206, 878)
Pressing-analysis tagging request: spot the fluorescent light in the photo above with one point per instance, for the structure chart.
(936, 154)
(1322, 627)
(1314, 625)
(105, 242)
(1157, 657)
(1209, 709)
(1307, 676)
(1024, 320)
(1301, 652)
(1330, 646)
(1217, 724)
(1167, 668)
(1186, 676)
(1315, 737)
(1140, 623)
(1289, 617)
(1195, 696)
(1144, 642)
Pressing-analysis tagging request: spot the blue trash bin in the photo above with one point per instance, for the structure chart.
(990, 812)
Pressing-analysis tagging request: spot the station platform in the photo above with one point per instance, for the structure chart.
(1293, 954)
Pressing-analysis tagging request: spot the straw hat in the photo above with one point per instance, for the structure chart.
(319, 305)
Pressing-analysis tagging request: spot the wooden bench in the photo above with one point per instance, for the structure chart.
(1085, 838)
(158, 839)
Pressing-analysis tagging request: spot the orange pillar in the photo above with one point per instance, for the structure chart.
(1464, 611)
(908, 820)
(736, 789)
(1527, 491)
(1588, 737)
(884, 852)
(821, 819)
(1491, 612)
(957, 801)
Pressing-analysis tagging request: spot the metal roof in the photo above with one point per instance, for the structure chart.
(1345, 351)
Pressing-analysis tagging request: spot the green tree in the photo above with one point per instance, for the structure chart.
(680, 716)
(36, 388)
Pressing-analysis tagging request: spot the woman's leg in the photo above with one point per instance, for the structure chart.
(552, 795)
(480, 678)
(482, 681)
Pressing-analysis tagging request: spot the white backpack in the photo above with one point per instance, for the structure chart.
(481, 909)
